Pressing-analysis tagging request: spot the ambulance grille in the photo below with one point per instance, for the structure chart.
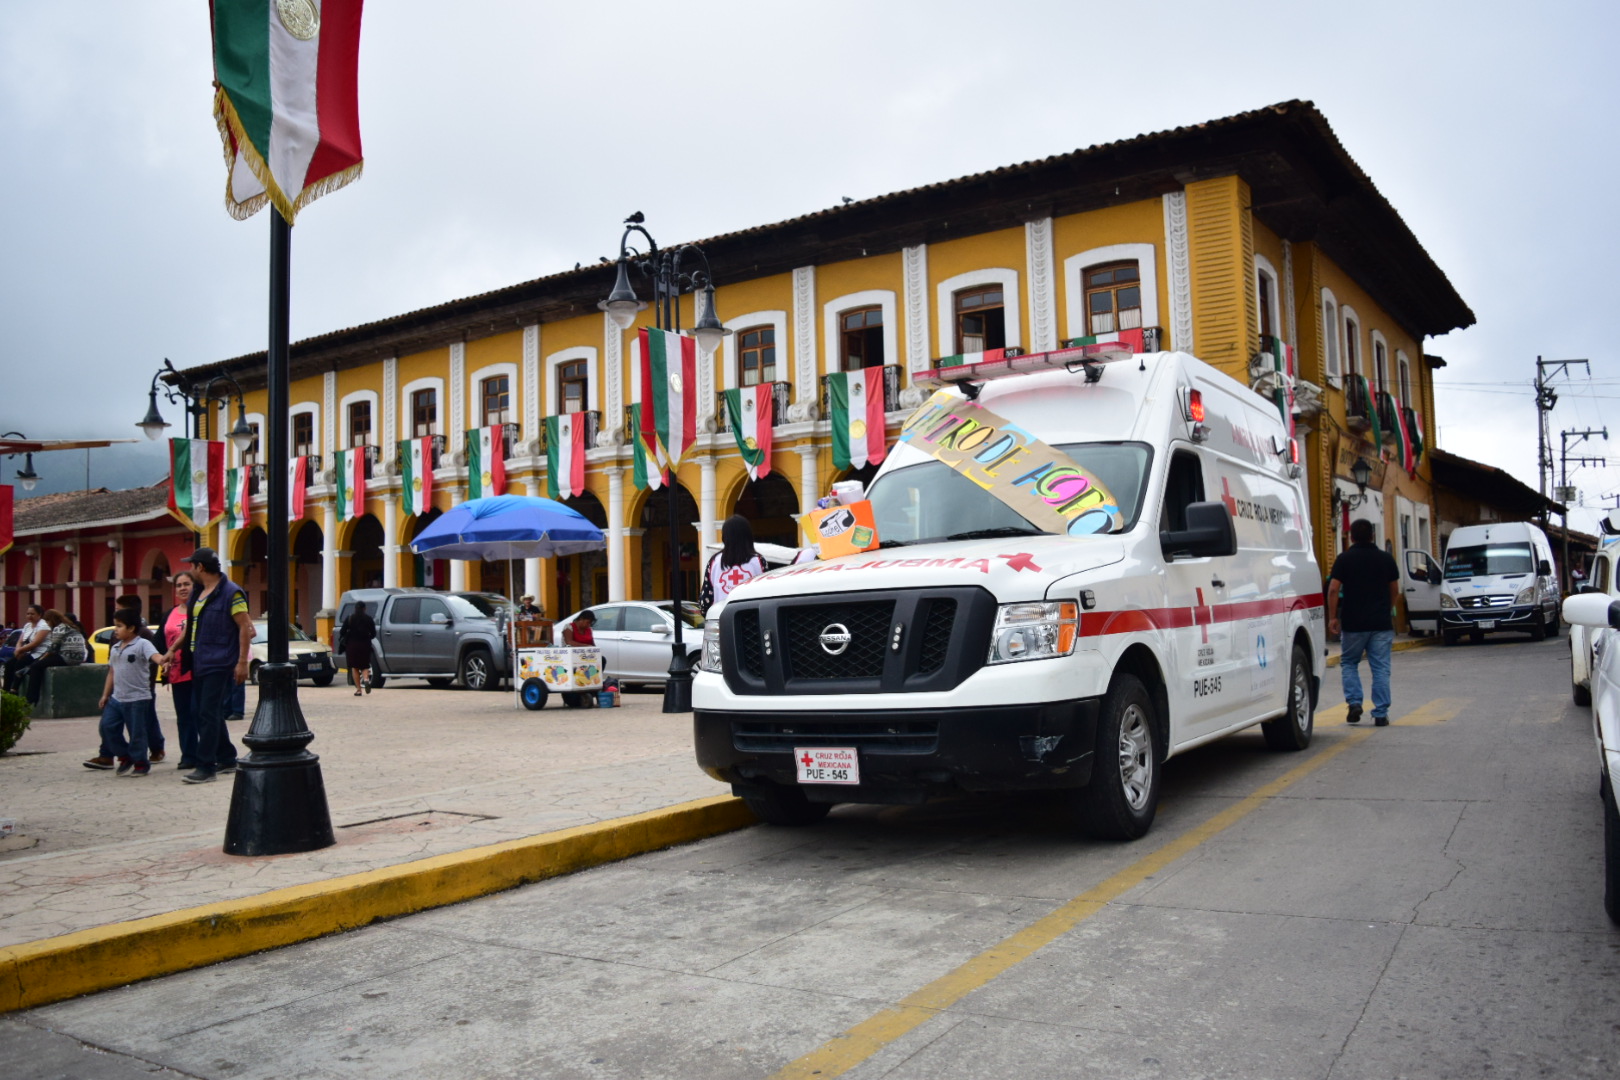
(936, 636)
(896, 737)
(868, 626)
(749, 652)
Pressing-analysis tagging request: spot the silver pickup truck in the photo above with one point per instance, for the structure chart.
(438, 636)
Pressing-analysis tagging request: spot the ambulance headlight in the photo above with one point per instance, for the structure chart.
(1034, 631)
(1447, 600)
(1527, 595)
(711, 645)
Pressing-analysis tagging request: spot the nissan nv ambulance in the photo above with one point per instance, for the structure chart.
(1086, 562)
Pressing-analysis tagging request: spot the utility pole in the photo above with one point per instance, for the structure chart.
(1546, 398)
(1566, 494)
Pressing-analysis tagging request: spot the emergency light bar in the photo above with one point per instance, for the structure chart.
(996, 364)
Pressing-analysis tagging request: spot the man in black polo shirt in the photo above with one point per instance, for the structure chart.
(1360, 608)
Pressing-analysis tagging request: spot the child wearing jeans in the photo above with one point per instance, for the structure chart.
(126, 703)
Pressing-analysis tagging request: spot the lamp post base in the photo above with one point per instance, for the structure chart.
(678, 687)
(278, 804)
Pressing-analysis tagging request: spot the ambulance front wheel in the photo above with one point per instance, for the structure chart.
(1292, 730)
(1123, 795)
(534, 694)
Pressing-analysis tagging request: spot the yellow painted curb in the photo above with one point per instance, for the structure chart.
(1399, 646)
(40, 972)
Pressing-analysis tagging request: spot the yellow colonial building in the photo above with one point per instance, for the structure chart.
(1235, 240)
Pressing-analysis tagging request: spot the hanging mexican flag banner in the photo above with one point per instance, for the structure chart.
(486, 462)
(669, 386)
(351, 483)
(1404, 436)
(236, 498)
(286, 100)
(1282, 357)
(297, 477)
(1372, 410)
(196, 482)
(751, 412)
(638, 456)
(416, 458)
(855, 399)
(565, 455)
(8, 534)
(1417, 438)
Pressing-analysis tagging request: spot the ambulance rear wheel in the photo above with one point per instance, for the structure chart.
(1292, 730)
(1123, 795)
(778, 805)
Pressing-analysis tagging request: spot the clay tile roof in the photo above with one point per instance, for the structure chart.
(67, 509)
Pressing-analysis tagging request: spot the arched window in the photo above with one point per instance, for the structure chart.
(424, 412)
(1352, 343)
(359, 421)
(573, 385)
(495, 396)
(756, 355)
(981, 319)
(1403, 369)
(1113, 297)
(303, 434)
(860, 338)
(1330, 334)
(1380, 355)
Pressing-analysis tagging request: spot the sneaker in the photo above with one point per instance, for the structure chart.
(100, 763)
(229, 766)
(235, 716)
(1354, 715)
(1380, 721)
(186, 763)
(124, 765)
(143, 769)
(157, 756)
(197, 777)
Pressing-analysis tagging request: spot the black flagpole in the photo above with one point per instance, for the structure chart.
(278, 805)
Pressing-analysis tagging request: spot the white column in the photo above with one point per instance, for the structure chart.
(809, 483)
(531, 577)
(615, 537)
(223, 546)
(705, 507)
(458, 567)
(329, 595)
(390, 549)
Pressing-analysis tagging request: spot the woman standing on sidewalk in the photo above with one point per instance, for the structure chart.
(177, 674)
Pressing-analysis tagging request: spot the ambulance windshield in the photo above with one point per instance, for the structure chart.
(930, 501)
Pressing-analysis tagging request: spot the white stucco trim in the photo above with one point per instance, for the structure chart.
(370, 398)
(1147, 267)
(255, 420)
(1332, 336)
(945, 304)
(475, 396)
(883, 298)
(592, 381)
(406, 421)
(1263, 267)
(777, 321)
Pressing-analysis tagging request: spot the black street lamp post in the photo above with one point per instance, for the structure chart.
(26, 476)
(197, 397)
(663, 268)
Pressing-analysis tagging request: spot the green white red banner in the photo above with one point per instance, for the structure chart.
(8, 534)
(196, 482)
(297, 478)
(236, 498)
(669, 394)
(565, 455)
(855, 400)
(286, 76)
(416, 458)
(751, 411)
(350, 470)
(486, 462)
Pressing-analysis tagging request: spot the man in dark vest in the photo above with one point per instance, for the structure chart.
(219, 641)
(1360, 608)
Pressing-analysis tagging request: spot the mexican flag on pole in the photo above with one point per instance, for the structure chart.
(751, 411)
(1403, 435)
(486, 462)
(236, 498)
(638, 458)
(286, 100)
(669, 393)
(856, 402)
(416, 493)
(196, 482)
(7, 531)
(351, 483)
(565, 455)
(1372, 411)
(1417, 438)
(297, 476)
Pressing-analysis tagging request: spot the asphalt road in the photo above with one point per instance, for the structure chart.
(1421, 900)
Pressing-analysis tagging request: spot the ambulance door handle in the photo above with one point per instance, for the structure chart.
(1218, 583)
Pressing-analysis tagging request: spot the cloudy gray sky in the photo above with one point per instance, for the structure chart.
(506, 140)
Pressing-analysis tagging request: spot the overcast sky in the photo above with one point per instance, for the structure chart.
(507, 140)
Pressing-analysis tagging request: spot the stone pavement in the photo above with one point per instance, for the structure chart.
(410, 772)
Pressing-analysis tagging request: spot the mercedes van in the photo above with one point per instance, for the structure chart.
(1498, 577)
(1087, 562)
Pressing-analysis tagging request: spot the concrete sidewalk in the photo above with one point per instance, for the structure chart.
(412, 774)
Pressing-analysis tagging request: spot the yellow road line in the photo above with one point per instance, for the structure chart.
(1437, 711)
(843, 1052)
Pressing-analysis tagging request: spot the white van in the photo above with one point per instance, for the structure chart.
(985, 645)
(1498, 577)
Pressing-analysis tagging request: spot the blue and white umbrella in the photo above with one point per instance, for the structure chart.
(505, 527)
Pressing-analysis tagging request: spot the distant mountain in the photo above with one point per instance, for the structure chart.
(127, 465)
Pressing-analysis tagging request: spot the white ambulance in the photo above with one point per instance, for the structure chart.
(1090, 561)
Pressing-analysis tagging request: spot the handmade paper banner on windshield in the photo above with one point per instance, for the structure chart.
(1042, 483)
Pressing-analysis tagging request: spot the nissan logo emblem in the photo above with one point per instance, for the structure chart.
(834, 639)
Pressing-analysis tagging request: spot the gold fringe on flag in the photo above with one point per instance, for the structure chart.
(234, 137)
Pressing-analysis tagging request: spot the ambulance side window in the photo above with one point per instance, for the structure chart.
(1183, 486)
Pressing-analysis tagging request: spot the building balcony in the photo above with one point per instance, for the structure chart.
(891, 391)
(1357, 409)
(781, 394)
(593, 425)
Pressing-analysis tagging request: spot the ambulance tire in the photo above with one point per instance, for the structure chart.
(1123, 795)
(778, 805)
(1292, 730)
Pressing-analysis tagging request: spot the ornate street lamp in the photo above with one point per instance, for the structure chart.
(26, 476)
(196, 403)
(663, 269)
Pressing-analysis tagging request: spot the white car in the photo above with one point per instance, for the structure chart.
(1601, 613)
(1581, 638)
(635, 638)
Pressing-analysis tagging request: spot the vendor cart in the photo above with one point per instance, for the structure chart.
(575, 672)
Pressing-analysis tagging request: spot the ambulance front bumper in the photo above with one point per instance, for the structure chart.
(905, 755)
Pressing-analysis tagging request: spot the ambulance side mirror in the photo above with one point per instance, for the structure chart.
(1209, 532)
